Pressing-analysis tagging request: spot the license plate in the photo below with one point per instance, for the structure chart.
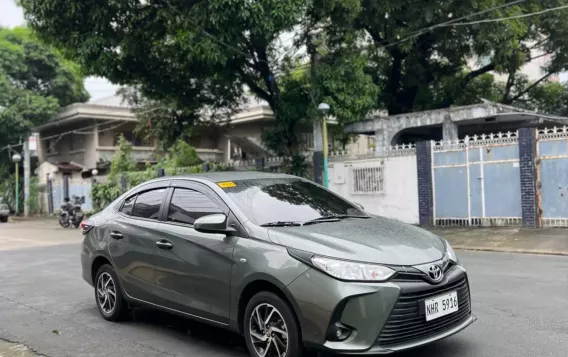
(441, 305)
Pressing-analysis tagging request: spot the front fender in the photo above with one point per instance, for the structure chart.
(258, 260)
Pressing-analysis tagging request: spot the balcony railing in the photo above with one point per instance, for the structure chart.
(139, 153)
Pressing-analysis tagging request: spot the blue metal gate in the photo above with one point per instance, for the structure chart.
(476, 181)
(552, 167)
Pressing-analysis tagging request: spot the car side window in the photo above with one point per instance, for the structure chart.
(188, 205)
(127, 206)
(148, 204)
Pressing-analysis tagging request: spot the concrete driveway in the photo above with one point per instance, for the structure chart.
(45, 305)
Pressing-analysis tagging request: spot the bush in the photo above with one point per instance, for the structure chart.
(104, 193)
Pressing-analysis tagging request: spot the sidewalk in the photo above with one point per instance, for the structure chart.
(507, 239)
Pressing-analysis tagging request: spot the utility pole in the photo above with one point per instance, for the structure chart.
(318, 127)
(16, 158)
(324, 109)
(26, 178)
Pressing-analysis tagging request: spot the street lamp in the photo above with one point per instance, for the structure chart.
(94, 173)
(324, 109)
(17, 158)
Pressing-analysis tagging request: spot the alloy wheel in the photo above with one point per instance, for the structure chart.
(106, 293)
(268, 332)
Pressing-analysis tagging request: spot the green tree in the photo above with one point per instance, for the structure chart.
(181, 154)
(548, 97)
(420, 64)
(35, 81)
(190, 58)
(122, 161)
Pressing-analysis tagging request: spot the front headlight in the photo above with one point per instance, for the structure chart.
(352, 271)
(450, 253)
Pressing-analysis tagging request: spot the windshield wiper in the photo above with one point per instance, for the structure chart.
(331, 218)
(281, 224)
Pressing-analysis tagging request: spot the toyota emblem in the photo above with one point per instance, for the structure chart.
(435, 273)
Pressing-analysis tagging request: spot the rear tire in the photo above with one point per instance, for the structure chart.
(4, 219)
(108, 295)
(278, 330)
(64, 222)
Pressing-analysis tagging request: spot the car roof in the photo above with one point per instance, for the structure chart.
(219, 176)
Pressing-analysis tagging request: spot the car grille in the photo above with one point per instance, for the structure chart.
(406, 324)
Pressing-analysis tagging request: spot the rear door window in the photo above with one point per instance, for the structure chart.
(148, 204)
(188, 205)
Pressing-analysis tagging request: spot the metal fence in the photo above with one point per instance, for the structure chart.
(476, 181)
(552, 168)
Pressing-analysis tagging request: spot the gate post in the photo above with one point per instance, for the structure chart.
(425, 183)
(528, 174)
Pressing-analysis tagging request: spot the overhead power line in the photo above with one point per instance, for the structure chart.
(382, 44)
(511, 17)
(449, 22)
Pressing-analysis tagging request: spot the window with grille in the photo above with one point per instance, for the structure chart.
(52, 146)
(77, 142)
(368, 179)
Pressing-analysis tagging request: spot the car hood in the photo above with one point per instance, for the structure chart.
(374, 240)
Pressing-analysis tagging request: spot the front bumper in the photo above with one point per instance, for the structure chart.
(374, 312)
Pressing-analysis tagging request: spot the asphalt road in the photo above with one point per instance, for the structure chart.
(521, 302)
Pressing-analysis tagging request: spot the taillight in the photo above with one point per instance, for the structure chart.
(86, 226)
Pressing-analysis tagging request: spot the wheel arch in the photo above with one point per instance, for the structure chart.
(98, 262)
(259, 283)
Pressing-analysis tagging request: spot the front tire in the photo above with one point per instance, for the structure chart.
(108, 294)
(271, 328)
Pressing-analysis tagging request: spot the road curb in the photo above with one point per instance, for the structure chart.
(511, 250)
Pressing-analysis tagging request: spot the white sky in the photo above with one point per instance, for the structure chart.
(11, 16)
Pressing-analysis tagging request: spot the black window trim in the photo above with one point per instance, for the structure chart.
(194, 186)
(161, 204)
(163, 185)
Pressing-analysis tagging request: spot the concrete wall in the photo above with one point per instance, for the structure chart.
(399, 196)
(69, 147)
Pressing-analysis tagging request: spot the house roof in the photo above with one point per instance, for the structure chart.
(468, 113)
(114, 108)
(70, 166)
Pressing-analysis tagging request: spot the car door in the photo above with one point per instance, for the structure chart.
(193, 269)
(133, 234)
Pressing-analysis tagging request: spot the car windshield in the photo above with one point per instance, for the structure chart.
(3, 207)
(281, 201)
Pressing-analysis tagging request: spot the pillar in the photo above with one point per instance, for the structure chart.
(449, 129)
(318, 152)
(528, 176)
(425, 189)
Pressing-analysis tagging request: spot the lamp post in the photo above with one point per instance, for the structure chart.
(94, 173)
(324, 109)
(17, 158)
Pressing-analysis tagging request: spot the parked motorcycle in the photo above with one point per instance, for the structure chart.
(71, 214)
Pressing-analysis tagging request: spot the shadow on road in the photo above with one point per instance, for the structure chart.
(232, 344)
(191, 331)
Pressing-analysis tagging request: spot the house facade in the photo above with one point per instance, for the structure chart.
(84, 137)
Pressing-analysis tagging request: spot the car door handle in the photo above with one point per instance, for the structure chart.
(164, 244)
(116, 235)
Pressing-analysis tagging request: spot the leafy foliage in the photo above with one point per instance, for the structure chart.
(549, 97)
(191, 62)
(122, 161)
(188, 59)
(180, 159)
(419, 69)
(181, 154)
(35, 80)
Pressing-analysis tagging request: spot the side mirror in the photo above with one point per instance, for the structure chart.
(360, 206)
(214, 223)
